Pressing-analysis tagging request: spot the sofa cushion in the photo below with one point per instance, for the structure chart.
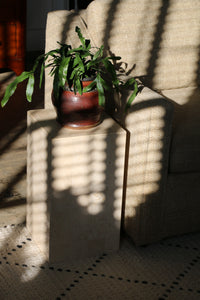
(155, 38)
(185, 144)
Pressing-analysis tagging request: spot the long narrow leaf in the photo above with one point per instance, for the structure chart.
(104, 83)
(74, 72)
(12, 87)
(78, 61)
(89, 87)
(56, 85)
(51, 53)
(98, 53)
(30, 87)
(78, 85)
(129, 82)
(110, 68)
(100, 91)
(88, 44)
(63, 68)
(95, 62)
(81, 38)
(41, 74)
(133, 95)
(79, 49)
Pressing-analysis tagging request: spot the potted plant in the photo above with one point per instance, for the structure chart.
(81, 77)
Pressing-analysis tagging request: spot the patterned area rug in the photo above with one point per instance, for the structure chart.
(167, 270)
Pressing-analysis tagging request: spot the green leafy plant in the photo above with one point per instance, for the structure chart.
(70, 67)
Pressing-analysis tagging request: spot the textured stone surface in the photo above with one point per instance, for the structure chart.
(75, 180)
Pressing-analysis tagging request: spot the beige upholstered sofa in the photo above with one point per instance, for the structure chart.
(159, 42)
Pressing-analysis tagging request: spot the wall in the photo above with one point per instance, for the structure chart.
(36, 21)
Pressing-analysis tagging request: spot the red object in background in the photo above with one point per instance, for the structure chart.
(12, 34)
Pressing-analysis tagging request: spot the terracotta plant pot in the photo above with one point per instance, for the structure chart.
(78, 111)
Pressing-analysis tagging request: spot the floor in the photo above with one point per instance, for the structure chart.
(13, 176)
(167, 270)
(13, 119)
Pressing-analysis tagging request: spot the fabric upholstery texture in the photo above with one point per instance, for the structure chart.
(149, 124)
(159, 42)
(181, 204)
(160, 38)
(185, 144)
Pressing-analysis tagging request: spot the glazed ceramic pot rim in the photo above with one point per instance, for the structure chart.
(66, 87)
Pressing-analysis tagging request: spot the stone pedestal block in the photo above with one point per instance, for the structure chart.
(74, 187)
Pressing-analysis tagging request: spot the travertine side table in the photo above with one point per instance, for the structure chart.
(74, 187)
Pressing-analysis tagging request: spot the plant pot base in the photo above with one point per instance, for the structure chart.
(79, 125)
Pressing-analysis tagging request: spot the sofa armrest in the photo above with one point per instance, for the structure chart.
(148, 125)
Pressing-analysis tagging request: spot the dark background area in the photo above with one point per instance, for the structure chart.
(81, 3)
